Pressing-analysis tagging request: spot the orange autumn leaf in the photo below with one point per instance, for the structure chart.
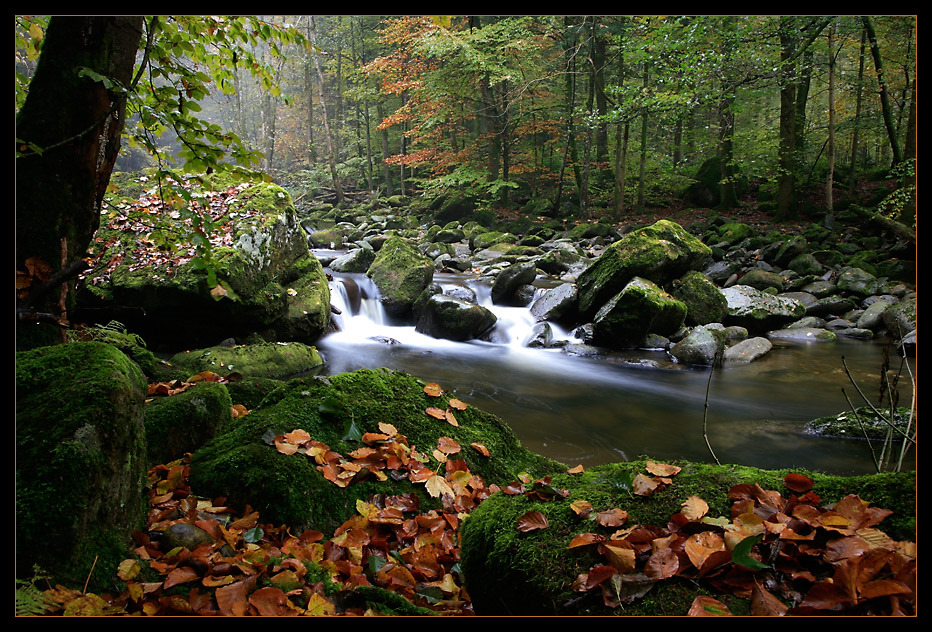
(436, 413)
(662, 469)
(272, 602)
(448, 445)
(612, 518)
(764, 604)
(481, 449)
(433, 390)
(532, 521)
(585, 539)
(581, 508)
(620, 554)
(695, 508)
(579, 469)
(448, 415)
(702, 547)
(644, 486)
(704, 606)
(457, 404)
(663, 564)
(180, 575)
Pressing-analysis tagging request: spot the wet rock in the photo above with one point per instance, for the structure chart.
(659, 253)
(762, 279)
(700, 346)
(802, 334)
(509, 280)
(555, 304)
(401, 274)
(268, 359)
(900, 319)
(356, 260)
(747, 350)
(857, 281)
(446, 317)
(541, 336)
(872, 318)
(704, 301)
(759, 311)
(642, 307)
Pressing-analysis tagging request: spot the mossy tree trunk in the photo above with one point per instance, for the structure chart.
(68, 138)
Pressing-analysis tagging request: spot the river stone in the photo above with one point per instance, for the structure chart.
(900, 319)
(802, 334)
(829, 305)
(659, 253)
(704, 301)
(555, 304)
(541, 336)
(791, 249)
(762, 279)
(759, 311)
(805, 264)
(356, 260)
(872, 318)
(401, 274)
(747, 350)
(446, 317)
(642, 307)
(721, 271)
(807, 299)
(510, 279)
(462, 292)
(807, 321)
(857, 281)
(820, 289)
(700, 346)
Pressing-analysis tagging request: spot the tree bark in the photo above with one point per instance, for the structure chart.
(886, 110)
(852, 177)
(75, 122)
(331, 153)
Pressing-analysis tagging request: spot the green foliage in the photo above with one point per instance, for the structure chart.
(113, 333)
(30, 601)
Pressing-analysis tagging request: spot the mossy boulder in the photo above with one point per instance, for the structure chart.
(641, 308)
(401, 274)
(80, 460)
(170, 298)
(184, 422)
(704, 301)
(264, 360)
(759, 311)
(735, 232)
(865, 422)
(515, 573)
(242, 464)
(660, 253)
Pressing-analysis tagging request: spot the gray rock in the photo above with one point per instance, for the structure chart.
(510, 279)
(747, 350)
(541, 336)
(699, 347)
(759, 311)
(447, 317)
(640, 308)
(555, 304)
(857, 281)
(357, 260)
(802, 334)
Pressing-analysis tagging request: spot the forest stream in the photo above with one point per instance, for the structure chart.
(621, 405)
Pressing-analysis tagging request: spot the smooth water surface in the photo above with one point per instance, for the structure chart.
(593, 410)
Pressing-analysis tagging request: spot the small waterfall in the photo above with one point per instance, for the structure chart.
(362, 317)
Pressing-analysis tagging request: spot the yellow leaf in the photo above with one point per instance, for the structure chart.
(437, 487)
(694, 508)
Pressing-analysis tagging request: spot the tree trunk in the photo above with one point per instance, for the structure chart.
(642, 168)
(884, 93)
(383, 141)
(75, 122)
(331, 155)
(853, 177)
(830, 176)
(786, 179)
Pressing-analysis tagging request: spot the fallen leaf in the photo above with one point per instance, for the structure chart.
(531, 521)
(695, 508)
(433, 390)
(798, 483)
(704, 606)
(457, 404)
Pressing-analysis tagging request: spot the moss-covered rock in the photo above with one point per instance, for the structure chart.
(705, 303)
(659, 253)
(758, 311)
(184, 422)
(80, 460)
(513, 573)
(268, 359)
(864, 423)
(401, 274)
(242, 465)
(640, 308)
(257, 246)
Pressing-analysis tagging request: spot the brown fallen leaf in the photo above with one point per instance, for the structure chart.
(531, 521)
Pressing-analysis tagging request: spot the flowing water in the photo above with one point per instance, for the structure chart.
(619, 406)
